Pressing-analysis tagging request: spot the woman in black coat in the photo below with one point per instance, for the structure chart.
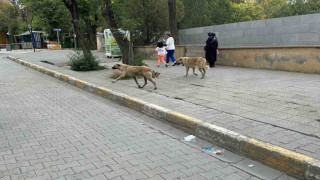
(211, 49)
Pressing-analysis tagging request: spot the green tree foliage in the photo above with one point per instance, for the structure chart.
(9, 17)
(211, 12)
(300, 7)
(196, 13)
(243, 11)
(49, 14)
(85, 33)
(146, 19)
(266, 9)
(89, 17)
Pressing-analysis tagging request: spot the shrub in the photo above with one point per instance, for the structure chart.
(138, 59)
(83, 62)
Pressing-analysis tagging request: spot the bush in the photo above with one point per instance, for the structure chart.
(83, 62)
(138, 59)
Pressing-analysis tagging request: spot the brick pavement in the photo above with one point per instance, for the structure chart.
(278, 107)
(51, 130)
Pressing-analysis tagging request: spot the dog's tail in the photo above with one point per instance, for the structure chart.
(155, 74)
(204, 64)
(207, 67)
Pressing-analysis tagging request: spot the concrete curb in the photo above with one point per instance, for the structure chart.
(292, 163)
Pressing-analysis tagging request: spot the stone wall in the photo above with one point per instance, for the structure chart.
(286, 31)
(298, 59)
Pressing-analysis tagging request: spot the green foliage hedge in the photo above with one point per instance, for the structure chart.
(80, 61)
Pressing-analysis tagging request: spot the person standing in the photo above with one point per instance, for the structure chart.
(170, 49)
(161, 51)
(211, 49)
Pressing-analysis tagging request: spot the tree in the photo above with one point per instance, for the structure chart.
(299, 7)
(119, 23)
(220, 12)
(72, 6)
(148, 23)
(9, 21)
(266, 9)
(48, 14)
(196, 14)
(154, 21)
(243, 10)
(173, 20)
(89, 15)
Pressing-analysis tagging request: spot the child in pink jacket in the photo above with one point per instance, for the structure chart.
(161, 51)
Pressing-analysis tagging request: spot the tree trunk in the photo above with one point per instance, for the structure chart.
(91, 25)
(148, 35)
(93, 41)
(84, 42)
(127, 53)
(125, 45)
(173, 20)
(92, 35)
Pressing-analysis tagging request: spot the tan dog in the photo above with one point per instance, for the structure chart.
(192, 62)
(135, 71)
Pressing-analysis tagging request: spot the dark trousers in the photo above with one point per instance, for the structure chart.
(170, 55)
(211, 57)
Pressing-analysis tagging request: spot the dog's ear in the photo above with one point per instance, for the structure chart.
(119, 66)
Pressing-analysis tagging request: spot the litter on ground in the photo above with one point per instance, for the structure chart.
(213, 151)
(190, 138)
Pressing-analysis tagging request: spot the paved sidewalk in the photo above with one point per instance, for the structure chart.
(51, 130)
(278, 107)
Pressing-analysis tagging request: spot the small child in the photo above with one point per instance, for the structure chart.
(161, 51)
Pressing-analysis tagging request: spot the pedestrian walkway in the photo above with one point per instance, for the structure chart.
(281, 108)
(51, 130)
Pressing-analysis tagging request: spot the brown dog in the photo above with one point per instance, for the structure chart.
(192, 62)
(135, 71)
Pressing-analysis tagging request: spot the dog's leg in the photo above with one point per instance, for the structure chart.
(145, 81)
(121, 76)
(187, 69)
(135, 79)
(154, 83)
(194, 71)
(203, 73)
